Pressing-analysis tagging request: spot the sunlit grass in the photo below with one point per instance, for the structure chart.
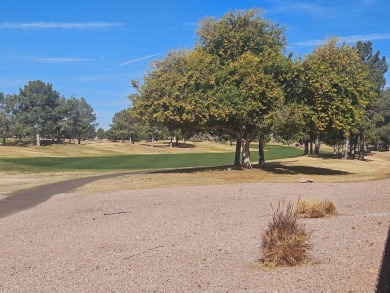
(25, 167)
(122, 157)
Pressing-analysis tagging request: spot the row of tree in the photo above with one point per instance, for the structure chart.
(238, 81)
(41, 112)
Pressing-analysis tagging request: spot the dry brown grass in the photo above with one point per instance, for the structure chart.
(97, 148)
(314, 208)
(285, 242)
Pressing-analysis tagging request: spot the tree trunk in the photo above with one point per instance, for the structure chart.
(306, 150)
(311, 147)
(4, 136)
(237, 155)
(317, 146)
(261, 151)
(246, 160)
(58, 136)
(170, 143)
(346, 148)
(38, 140)
(79, 139)
(352, 148)
(361, 147)
(177, 141)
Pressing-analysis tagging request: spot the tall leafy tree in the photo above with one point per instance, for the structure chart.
(382, 126)
(337, 89)
(6, 115)
(164, 97)
(377, 65)
(228, 82)
(247, 46)
(124, 125)
(57, 125)
(101, 133)
(38, 101)
(80, 121)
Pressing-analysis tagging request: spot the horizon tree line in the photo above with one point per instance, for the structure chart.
(38, 111)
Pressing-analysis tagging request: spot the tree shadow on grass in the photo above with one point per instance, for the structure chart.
(187, 170)
(383, 285)
(166, 145)
(280, 168)
(274, 168)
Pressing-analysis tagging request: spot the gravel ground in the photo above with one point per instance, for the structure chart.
(192, 239)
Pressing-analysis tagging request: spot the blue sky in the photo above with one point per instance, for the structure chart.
(93, 48)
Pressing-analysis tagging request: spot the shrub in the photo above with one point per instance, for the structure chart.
(285, 242)
(313, 208)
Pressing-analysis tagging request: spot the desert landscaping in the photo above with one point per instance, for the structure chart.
(192, 239)
(202, 234)
(189, 146)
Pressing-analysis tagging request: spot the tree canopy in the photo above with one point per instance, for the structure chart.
(337, 88)
(41, 111)
(227, 82)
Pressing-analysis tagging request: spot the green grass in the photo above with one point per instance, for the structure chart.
(130, 162)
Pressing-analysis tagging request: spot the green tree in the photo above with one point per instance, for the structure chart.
(5, 115)
(337, 89)
(124, 125)
(249, 49)
(165, 96)
(377, 66)
(80, 121)
(101, 133)
(37, 106)
(382, 125)
(228, 82)
(57, 125)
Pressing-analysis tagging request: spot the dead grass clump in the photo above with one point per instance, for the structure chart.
(313, 208)
(285, 242)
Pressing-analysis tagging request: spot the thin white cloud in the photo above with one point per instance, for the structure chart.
(102, 77)
(190, 24)
(135, 60)
(310, 43)
(55, 59)
(367, 37)
(138, 59)
(59, 25)
(347, 39)
(311, 9)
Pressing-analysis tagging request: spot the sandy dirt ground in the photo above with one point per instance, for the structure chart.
(192, 239)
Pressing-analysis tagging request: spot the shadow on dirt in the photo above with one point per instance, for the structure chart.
(383, 285)
(27, 199)
(279, 168)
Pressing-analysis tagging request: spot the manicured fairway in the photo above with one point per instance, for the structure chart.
(135, 161)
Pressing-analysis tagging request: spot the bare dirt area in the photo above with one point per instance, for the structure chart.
(192, 239)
